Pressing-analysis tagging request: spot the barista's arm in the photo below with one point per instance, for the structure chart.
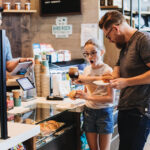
(10, 65)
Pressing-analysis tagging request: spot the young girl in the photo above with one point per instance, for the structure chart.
(98, 118)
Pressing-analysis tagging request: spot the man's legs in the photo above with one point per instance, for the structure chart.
(133, 129)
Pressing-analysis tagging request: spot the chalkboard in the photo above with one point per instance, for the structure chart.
(61, 7)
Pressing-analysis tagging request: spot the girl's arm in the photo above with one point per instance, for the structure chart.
(97, 98)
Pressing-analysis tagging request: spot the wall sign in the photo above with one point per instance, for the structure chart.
(61, 29)
(88, 31)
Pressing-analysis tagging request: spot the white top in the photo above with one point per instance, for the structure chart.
(18, 133)
(97, 89)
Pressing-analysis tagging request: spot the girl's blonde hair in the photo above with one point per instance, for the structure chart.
(95, 43)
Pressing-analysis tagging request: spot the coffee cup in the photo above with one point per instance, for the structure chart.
(73, 73)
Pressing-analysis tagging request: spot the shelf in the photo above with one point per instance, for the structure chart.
(142, 12)
(19, 11)
(68, 63)
(147, 29)
(109, 7)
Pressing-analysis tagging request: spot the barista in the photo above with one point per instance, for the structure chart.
(10, 62)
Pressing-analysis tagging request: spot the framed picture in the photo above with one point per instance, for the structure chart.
(60, 7)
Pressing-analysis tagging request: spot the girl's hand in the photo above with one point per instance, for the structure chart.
(83, 80)
(81, 94)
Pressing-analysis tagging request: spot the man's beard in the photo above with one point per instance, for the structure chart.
(120, 41)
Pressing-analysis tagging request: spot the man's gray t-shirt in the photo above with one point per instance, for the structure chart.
(132, 61)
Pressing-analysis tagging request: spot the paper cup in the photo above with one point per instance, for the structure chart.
(16, 93)
(17, 101)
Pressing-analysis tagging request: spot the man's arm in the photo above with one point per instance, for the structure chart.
(142, 79)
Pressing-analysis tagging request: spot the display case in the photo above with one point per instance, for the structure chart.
(58, 127)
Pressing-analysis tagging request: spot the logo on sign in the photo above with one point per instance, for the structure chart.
(61, 29)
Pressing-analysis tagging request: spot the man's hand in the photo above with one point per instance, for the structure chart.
(119, 83)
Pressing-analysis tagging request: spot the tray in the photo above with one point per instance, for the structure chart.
(41, 138)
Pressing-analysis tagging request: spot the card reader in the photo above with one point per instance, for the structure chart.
(54, 98)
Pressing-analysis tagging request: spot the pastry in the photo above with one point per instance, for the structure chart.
(107, 78)
(72, 94)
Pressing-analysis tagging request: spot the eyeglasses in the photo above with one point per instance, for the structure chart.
(107, 35)
(93, 53)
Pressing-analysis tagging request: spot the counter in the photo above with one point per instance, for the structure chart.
(18, 133)
(61, 105)
(41, 110)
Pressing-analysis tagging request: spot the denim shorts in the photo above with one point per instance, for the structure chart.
(98, 120)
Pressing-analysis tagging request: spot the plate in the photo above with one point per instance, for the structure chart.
(100, 82)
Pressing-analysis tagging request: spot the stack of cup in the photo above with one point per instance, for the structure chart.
(37, 59)
(45, 79)
(37, 71)
(17, 97)
(44, 67)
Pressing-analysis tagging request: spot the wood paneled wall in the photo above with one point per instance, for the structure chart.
(25, 29)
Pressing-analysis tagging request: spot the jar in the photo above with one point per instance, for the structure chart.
(10, 102)
(27, 6)
(17, 97)
(7, 6)
(17, 6)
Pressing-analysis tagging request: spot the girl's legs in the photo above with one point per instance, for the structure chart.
(105, 141)
(92, 139)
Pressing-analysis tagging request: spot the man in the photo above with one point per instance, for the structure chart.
(132, 77)
(10, 62)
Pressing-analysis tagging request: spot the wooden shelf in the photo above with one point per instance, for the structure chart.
(109, 7)
(19, 11)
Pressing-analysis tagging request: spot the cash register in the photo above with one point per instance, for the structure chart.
(24, 79)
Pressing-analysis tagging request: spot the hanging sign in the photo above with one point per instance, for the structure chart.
(61, 29)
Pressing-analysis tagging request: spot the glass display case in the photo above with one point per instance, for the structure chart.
(58, 127)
